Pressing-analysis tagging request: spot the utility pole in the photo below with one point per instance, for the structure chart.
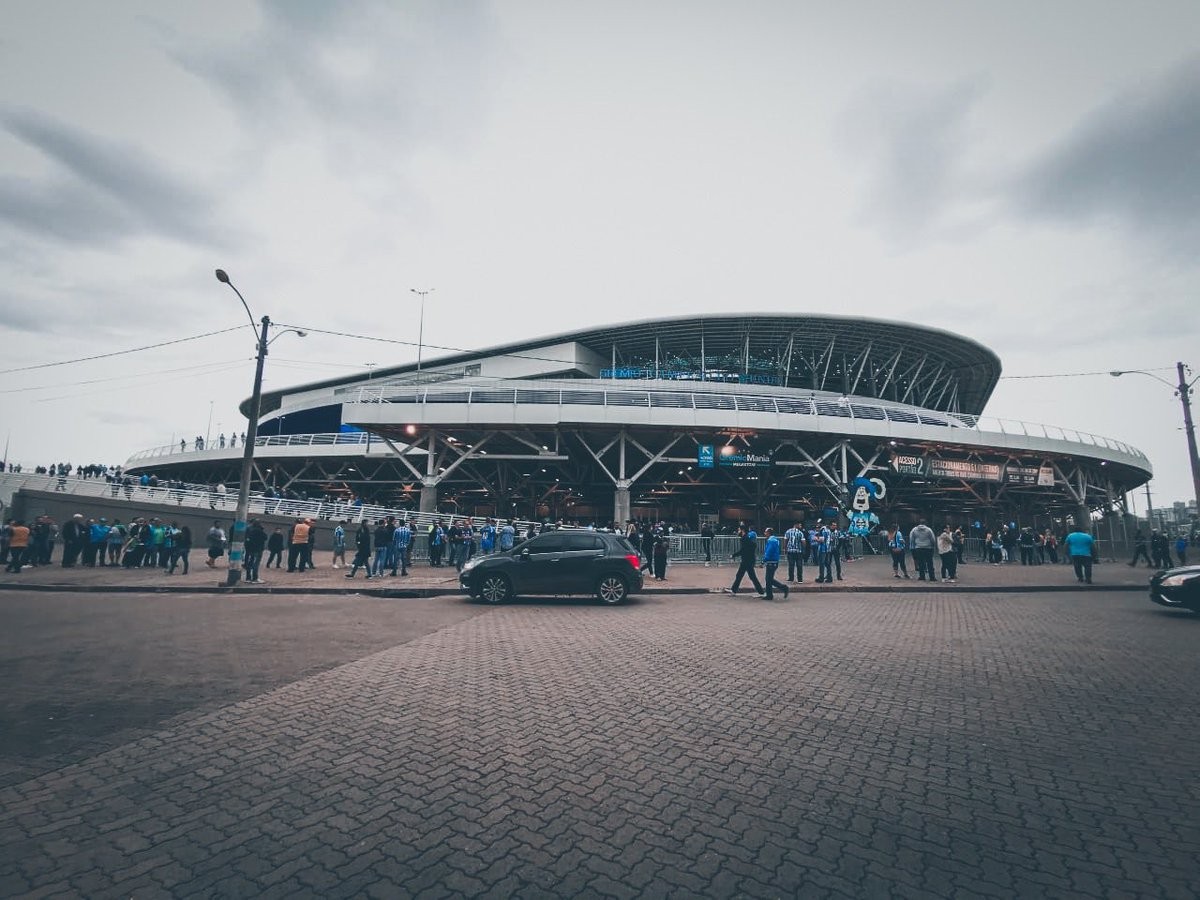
(1185, 398)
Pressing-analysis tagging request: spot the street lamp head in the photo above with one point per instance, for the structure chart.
(222, 277)
(300, 333)
(1116, 374)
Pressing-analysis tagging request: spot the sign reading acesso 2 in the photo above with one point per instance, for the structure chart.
(707, 457)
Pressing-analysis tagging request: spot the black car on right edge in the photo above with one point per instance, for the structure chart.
(1177, 588)
(557, 563)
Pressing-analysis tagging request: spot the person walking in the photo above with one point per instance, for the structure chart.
(181, 549)
(837, 540)
(401, 544)
(922, 541)
(771, 564)
(1139, 550)
(339, 545)
(1081, 547)
(706, 539)
(216, 544)
(746, 551)
(275, 548)
(794, 547)
(896, 546)
(256, 542)
(945, 548)
(383, 546)
(362, 550)
(822, 545)
(1050, 543)
(1181, 545)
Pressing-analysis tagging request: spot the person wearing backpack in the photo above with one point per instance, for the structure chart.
(897, 545)
(216, 544)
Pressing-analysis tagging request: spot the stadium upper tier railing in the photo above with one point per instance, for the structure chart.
(326, 439)
(830, 407)
(824, 407)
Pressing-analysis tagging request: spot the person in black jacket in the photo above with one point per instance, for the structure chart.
(362, 551)
(747, 550)
(275, 548)
(256, 542)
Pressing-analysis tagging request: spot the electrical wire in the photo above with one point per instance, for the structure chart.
(156, 372)
(67, 362)
(382, 340)
(1083, 374)
(106, 391)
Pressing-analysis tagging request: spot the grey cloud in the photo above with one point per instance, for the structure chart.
(1134, 161)
(912, 142)
(366, 78)
(64, 210)
(109, 191)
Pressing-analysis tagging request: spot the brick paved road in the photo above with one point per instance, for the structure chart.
(1015, 746)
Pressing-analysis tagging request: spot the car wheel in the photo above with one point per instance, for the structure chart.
(611, 589)
(495, 589)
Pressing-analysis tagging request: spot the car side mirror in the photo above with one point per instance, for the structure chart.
(524, 554)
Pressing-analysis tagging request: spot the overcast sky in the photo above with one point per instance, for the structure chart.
(1023, 173)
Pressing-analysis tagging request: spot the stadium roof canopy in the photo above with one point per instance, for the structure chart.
(889, 360)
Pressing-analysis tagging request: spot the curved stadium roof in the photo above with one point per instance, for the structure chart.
(889, 360)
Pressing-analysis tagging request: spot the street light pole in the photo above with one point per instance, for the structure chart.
(1184, 390)
(421, 326)
(237, 539)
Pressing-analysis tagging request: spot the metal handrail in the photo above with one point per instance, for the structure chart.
(814, 404)
(192, 498)
(263, 440)
(828, 406)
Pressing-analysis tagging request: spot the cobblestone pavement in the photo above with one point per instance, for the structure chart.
(836, 745)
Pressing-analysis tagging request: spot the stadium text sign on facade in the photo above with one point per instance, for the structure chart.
(730, 458)
(972, 470)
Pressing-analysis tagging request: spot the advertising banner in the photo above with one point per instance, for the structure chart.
(936, 467)
(728, 457)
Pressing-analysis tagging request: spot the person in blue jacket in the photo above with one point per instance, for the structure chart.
(771, 563)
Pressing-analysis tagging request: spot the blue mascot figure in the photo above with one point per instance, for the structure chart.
(863, 522)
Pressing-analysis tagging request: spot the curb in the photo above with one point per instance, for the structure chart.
(414, 593)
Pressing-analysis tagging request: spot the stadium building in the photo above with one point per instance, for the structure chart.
(715, 417)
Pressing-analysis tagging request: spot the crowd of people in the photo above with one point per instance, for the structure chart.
(387, 547)
(96, 543)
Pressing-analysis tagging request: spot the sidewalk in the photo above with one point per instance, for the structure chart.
(872, 574)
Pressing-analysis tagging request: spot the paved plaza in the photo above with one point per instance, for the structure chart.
(871, 573)
(834, 744)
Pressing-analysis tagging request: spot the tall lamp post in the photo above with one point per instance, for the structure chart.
(421, 326)
(1183, 390)
(237, 539)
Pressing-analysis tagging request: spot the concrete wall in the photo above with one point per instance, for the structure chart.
(29, 504)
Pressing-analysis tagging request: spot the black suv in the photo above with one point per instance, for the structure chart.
(558, 562)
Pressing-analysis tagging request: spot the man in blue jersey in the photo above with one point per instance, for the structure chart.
(794, 546)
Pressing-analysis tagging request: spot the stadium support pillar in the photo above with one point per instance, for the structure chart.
(429, 494)
(1083, 517)
(621, 506)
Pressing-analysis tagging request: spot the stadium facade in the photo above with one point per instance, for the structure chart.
(711, 417)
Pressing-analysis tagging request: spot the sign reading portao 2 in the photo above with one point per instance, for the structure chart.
(972, 470)
(709, 456)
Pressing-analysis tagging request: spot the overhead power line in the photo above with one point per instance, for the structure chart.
(1082, 374)
(67, 362)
